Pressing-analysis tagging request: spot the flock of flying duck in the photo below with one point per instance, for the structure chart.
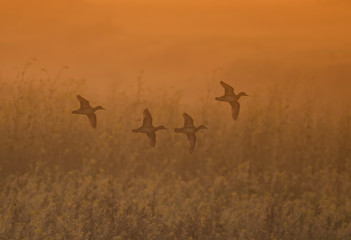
(147, 128)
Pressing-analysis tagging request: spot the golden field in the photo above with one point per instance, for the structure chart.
(282, 171)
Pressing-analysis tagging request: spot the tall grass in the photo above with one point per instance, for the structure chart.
(281, 172)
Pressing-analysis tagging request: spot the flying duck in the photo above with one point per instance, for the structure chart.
(87, 110)
(230, 97)
(148, 128)
(189, 129)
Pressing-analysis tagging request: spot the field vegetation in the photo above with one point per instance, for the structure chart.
(282, 171)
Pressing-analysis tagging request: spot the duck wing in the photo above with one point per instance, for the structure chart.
(228, 90)
(147, 121)
(188, 121)
(235, 109)
(152, 139)
(92, 119)
(191, 140)
(83, 102)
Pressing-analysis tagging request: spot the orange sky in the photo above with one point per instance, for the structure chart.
(254, 42)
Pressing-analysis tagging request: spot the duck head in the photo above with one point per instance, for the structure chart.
(201, 127)
(177, 130)
(242, 94)
(99, 108)
(161, 128)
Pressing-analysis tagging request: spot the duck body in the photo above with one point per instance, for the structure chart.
(227, 98)
(231, 98)
(148, 129)
(189, 130)
(87, 110)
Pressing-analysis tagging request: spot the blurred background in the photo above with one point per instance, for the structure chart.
(179, 44)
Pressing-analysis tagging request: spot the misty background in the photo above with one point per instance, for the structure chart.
(186, 46)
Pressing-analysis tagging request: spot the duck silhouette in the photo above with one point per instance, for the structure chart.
(87, 110)
(189, 129)
(230, 97)
(148, 128)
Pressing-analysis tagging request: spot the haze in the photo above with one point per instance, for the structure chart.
(179, 44)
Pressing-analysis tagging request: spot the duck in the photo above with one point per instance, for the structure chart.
(189, 129)
(231, 98)
(148, 128)
(87, 110)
